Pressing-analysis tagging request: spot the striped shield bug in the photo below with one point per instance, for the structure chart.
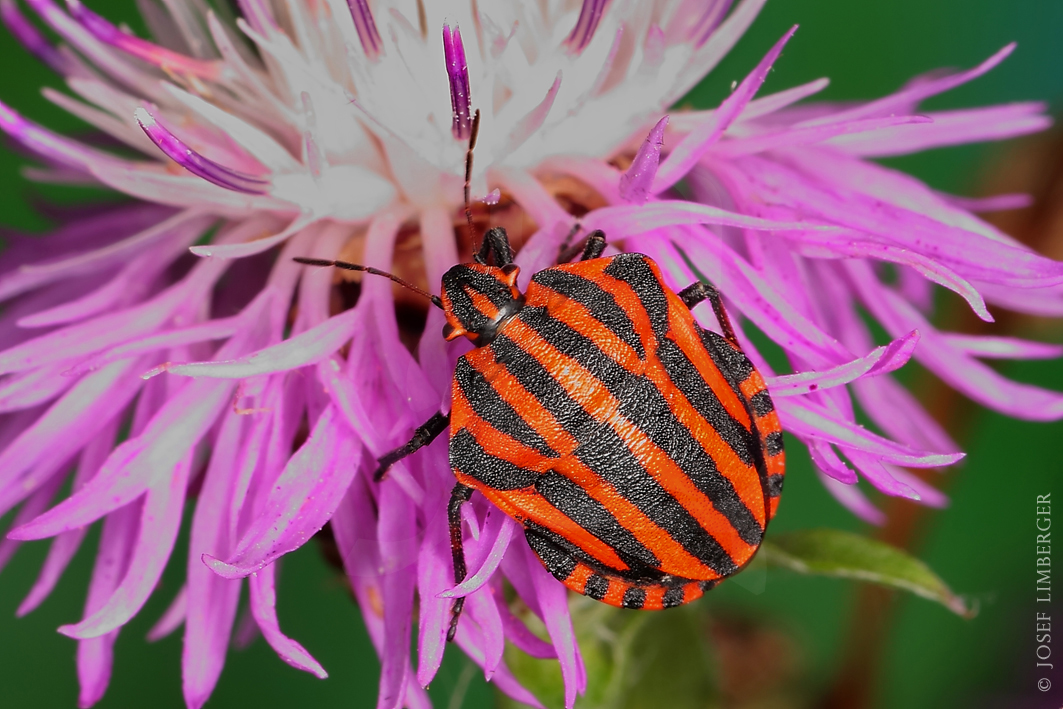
(640, 452)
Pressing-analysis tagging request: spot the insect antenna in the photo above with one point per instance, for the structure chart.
(468, 172)
(374, 271)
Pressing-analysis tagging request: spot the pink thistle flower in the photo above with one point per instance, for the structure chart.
(338, 137)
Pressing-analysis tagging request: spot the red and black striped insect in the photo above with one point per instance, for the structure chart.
(640, 452)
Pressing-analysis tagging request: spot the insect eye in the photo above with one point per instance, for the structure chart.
(447, 330)
(509, 268)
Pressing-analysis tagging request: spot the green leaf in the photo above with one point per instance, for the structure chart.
(832, 552)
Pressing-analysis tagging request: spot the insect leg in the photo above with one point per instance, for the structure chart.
(595, 245)
(421, 437)
(459, 496)
(495, 240)
(697, 292)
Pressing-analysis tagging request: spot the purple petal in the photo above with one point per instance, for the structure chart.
(841, 244)
(636, 182)
(300, 502)
(879, 361)
(36, 503)
(147, 226)
(142, 49)
(458, 75)
(197, 164)
(481, 607)
(692, 147)
(159, 523)
(37, 386)
(435, 573)
(30, 38)
(503, 679)
(928, 494)
(48, 145)
(264, 607)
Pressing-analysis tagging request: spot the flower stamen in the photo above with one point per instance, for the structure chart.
(458, 74)
(366, 26)
(589, 17)
(199, 165)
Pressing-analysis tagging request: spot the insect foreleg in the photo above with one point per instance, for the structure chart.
(421, 437)
(458, 497)
(697, 292)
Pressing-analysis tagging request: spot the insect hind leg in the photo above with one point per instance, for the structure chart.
(421, 438)
(458, 497)
(648, 590)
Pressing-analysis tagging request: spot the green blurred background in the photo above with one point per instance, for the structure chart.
(805, 636)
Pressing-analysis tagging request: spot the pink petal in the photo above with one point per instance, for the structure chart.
(503, 679)
(803, 417)
(435, 573)
(619, 222)
(172, 618)
(212, 600)
(828, 462)
(250, 248)
(963, 373)
(88, 337)
(397, 529)
(300, 502)
(517, 633)
(554, 603)
(910, 96)
(496, 539)
(970, 125)
(879, 361)
(139, 464)
(66, 544)
(264, 607)
(36, 503)
(876, 473)
(990, 347)
(789, 137)
(635, 183)
(526, 126)
(95, 655)
(23, 391)
(68, 425)
(686, 154)
(481, 607)
(307, 347)
(159, 523)
(853, 500)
